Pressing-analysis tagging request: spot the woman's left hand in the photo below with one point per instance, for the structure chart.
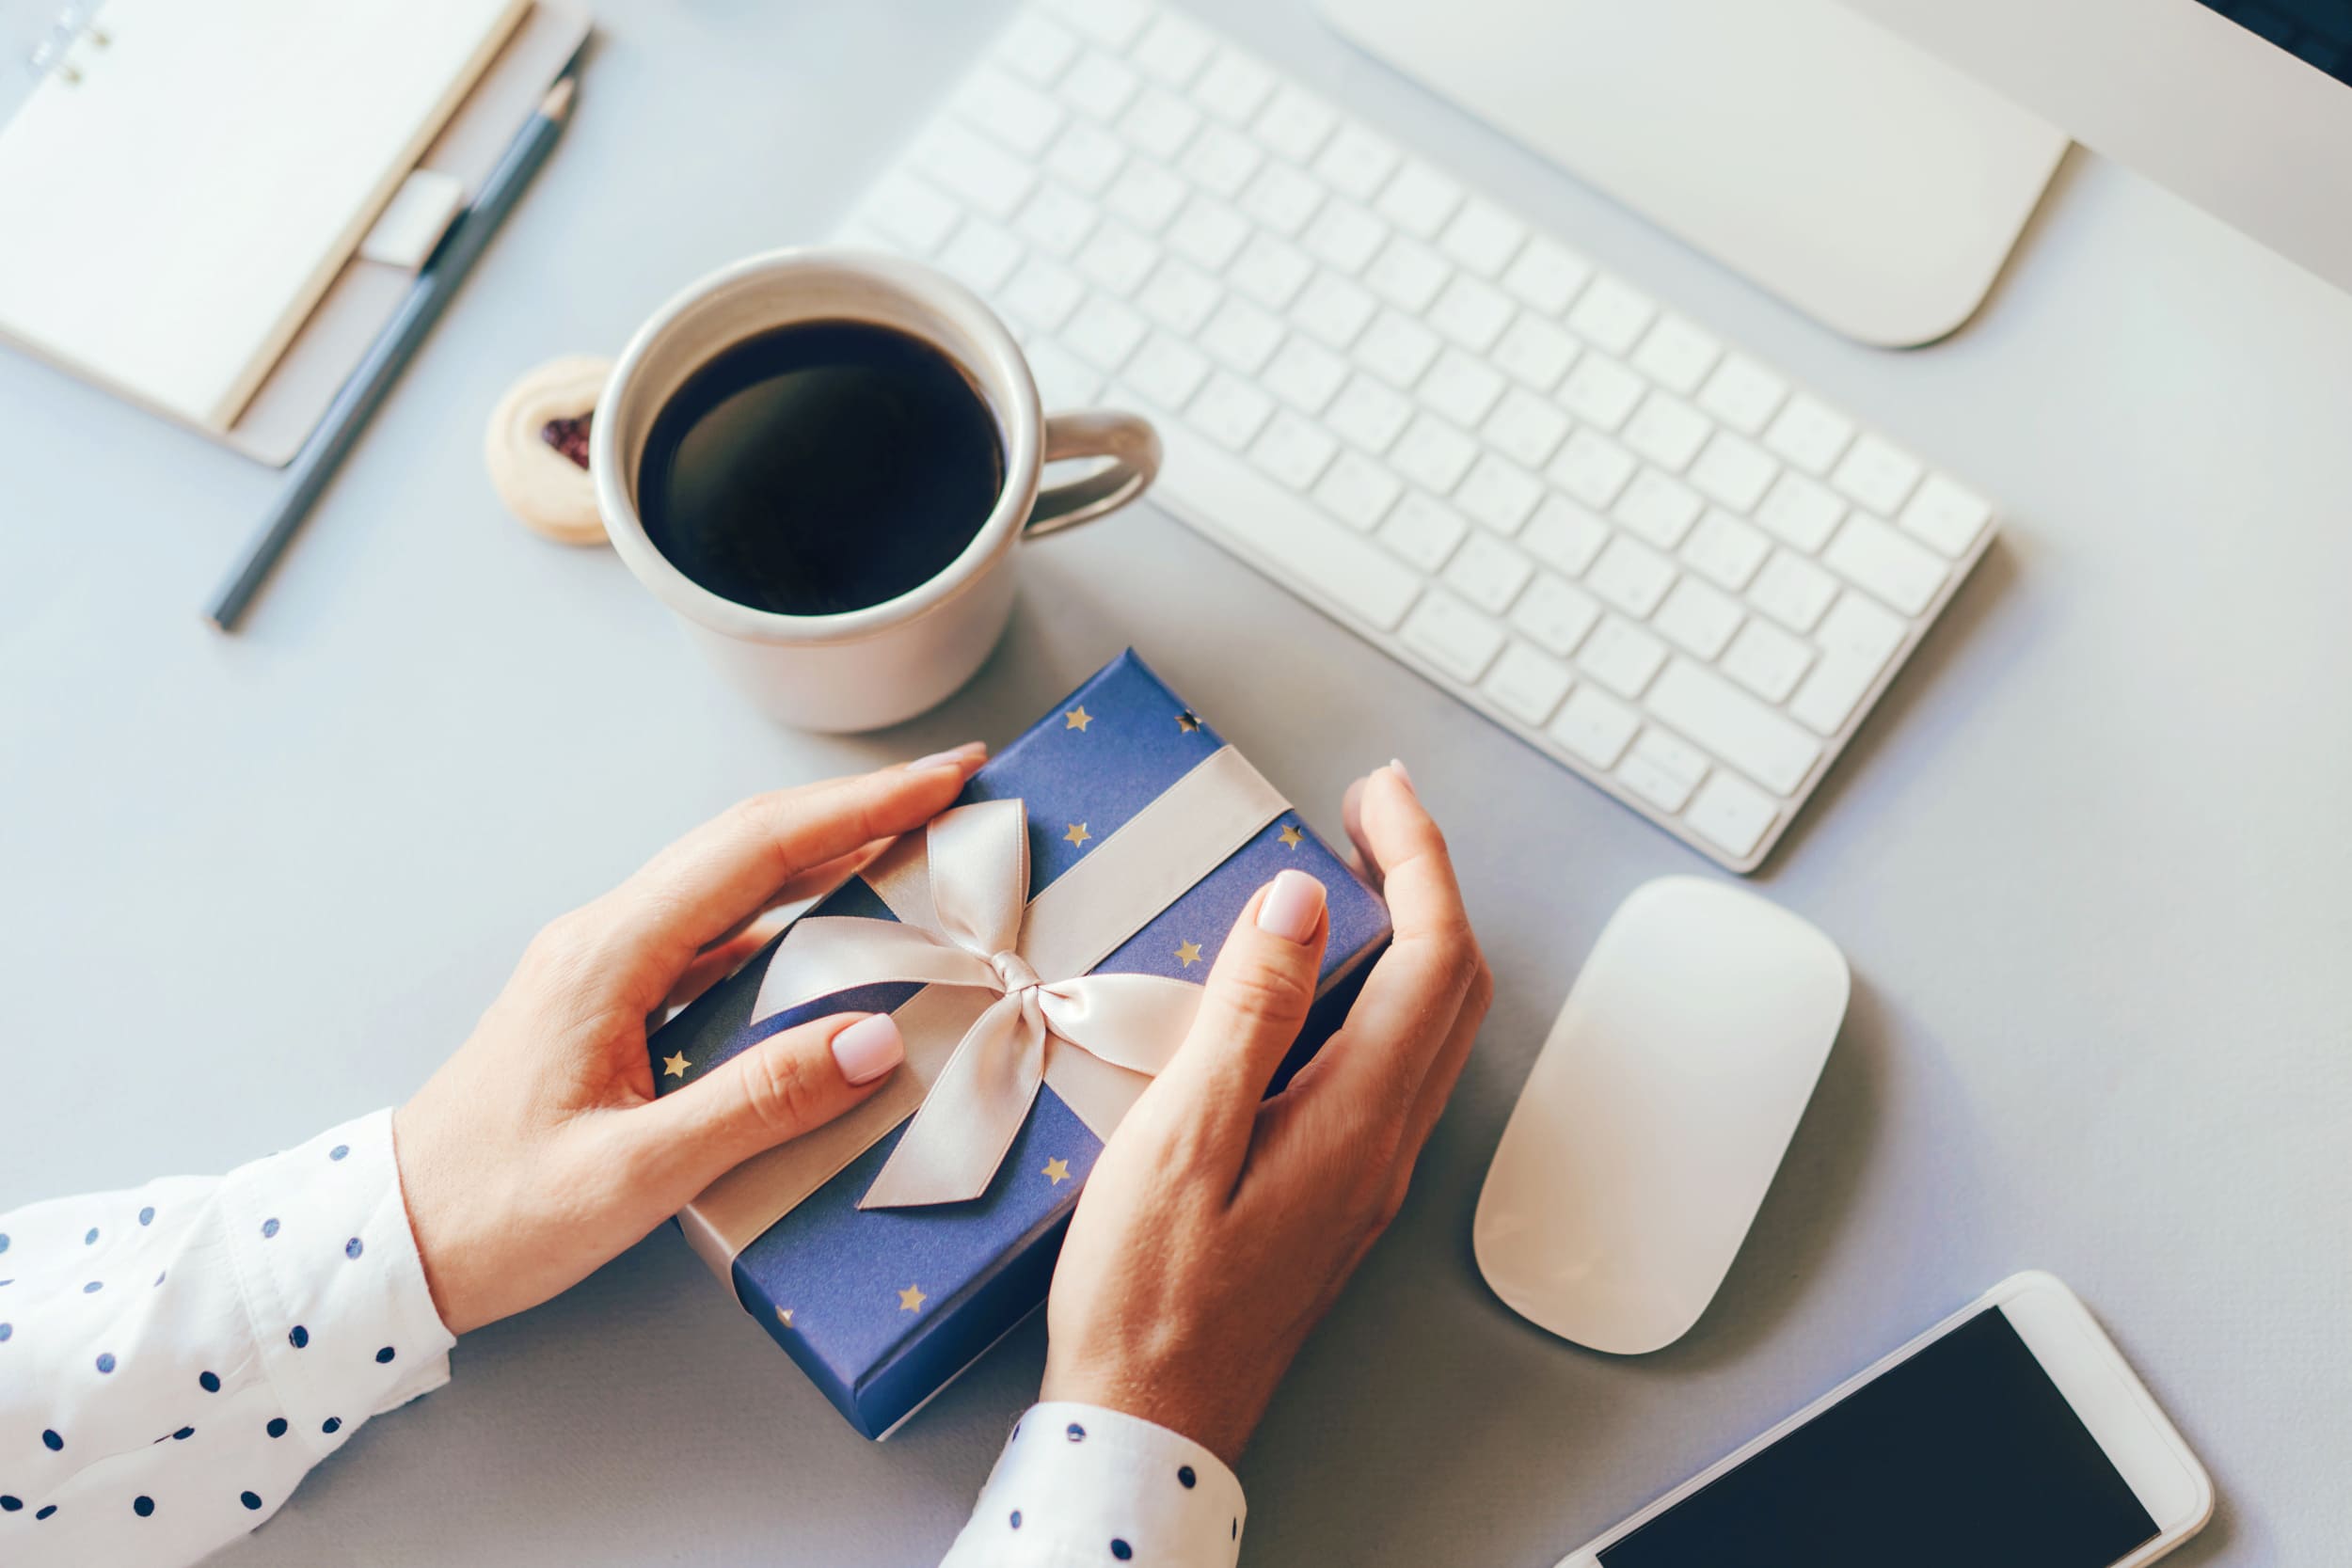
(538, 1152)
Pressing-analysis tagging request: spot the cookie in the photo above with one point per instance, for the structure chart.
(537, 449)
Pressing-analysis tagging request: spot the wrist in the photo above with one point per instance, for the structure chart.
(1216, 1412)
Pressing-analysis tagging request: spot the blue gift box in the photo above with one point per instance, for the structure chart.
(882, 1308)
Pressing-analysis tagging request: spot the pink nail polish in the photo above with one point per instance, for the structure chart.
(965, 755)
(869, 1048)
(1292, 907)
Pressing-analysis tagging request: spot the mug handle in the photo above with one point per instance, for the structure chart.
(1131, 444)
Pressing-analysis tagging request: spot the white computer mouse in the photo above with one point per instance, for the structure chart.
(1657, 1113)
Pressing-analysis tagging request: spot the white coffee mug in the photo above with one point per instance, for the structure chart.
(860, 669)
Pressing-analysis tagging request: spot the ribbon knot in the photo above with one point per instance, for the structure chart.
(1014, 972)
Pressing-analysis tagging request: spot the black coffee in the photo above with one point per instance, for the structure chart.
(820, 467)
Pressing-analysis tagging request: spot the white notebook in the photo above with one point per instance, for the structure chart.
(174, 199)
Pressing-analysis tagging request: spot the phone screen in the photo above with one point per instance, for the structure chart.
(1966, 1453)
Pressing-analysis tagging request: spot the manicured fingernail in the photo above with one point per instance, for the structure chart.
(1292, 907)
(869, 1048)
(967, 756)
(1398, 768)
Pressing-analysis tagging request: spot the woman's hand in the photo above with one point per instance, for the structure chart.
(538, 1152)
(1216, 1229)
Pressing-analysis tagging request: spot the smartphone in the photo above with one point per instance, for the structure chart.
(2010, 1433)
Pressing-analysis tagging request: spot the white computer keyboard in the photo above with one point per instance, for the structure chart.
(1640, 550)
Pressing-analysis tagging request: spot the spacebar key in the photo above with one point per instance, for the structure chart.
(1734, 725)
(1309, 552)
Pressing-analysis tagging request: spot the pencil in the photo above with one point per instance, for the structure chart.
(339, 429)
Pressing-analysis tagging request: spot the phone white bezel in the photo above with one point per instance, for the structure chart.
(2086, 1368)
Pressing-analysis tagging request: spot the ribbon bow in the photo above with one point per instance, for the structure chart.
(978, 864)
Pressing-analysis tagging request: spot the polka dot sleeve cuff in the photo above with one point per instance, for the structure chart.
(173, 1359)
(1078, 1486)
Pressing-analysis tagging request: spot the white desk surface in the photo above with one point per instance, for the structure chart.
(2088, 861)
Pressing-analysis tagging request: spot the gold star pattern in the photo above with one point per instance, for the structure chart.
(784, 1316)
(674, 1067)
(1188, 953)
(1056, 1171)
(1077, 834)
(1188, 722)
(1076, 718)
(1292, 837)
(911, 1298)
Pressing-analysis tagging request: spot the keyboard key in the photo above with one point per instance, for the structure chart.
(1595, 727)
(1876, 474)
(1396, 349)
(1829, 694)
(1112, 23)
(1104, 332)
(1221, 162)
(1904, 574)
(1085, 158)
(1808, 434)
(1667, 431)
(1946, 515)
(1677, 355)
(1534, 352)
(1035, 48)
(1419, 199)
(1645, 778)
(1147, 196)
(1172, 50)
(1601, 392)
(1732, 814)
(1659, 509)
(1243, 336)
(1498, 494)
(1207, 233)
(1725, 550)
(1296, 124)
(1489, 572)
(1622, 657)
(1370, 415)
(1063, 379)
(1304, 374)
(1563, 534)
(1472, 313)
(1159, 123)
(1452, 636)
(911, 213)
(1283, 200)
(1855, 627)
(1732, 472)
(1592, 468)
(1303, 546)
(1354, 162)
(1735, 727)
(1229, 412)
(1525, 428)
(1165, 371)
(1332, 310)
(1099, 87)
(1767, 661)
(1293, 451)
(1743, 394)
(1013, 111)
(1611, 315)
(1343, 236)
(1793, 591)
(1118, 257)
(1799, 512)
(1631, 577)
(1556, 614)
(1546, 276)
(1043, 294)
(1234, 87)
(1698, 619)
(1178, 296)
(1357, 491)
(1407, 274)
(1270, 271)
(1423, 532)
(1460, 387)
(981, 255)
(1528, 685)
(1482, 237)
(1055, 221)
(1433, 454)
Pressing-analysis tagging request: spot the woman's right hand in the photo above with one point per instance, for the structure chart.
(1218, 1226)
